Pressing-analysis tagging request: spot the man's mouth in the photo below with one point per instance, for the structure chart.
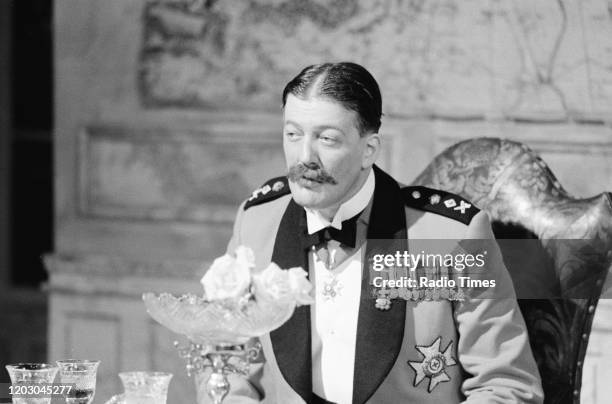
(312, 178)
(307, 181)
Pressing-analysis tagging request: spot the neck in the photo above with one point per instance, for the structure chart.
(330, 212)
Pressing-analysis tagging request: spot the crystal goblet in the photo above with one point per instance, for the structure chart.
(145, 387)
(31, 375)
(81, 373)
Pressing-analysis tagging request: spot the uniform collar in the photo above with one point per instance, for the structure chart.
(347, 210)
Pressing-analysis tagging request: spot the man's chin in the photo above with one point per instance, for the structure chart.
(305, 196)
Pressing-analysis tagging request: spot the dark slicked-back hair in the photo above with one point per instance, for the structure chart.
(347, 83)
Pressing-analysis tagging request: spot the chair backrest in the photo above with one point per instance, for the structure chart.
(570, 248)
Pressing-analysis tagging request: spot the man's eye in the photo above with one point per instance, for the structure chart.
(328, 139)
(291, 135)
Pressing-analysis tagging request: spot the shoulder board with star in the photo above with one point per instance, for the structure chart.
(440, 202)
(271, 190)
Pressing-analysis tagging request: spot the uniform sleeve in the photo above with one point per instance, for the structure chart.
(243, 390)
(493, 343)
(236, 239)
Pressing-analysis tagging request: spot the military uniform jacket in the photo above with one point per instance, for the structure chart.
(442, 351)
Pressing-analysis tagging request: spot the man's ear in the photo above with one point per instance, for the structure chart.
(372, 149)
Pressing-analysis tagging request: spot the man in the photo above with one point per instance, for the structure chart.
(326, 216)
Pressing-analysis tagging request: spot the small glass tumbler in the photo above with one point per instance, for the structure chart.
(145, 387)
(28, 378)
(81, 373)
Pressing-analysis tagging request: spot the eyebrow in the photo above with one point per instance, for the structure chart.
(319, 128)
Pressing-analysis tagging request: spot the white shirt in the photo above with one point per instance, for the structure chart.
(334, 320)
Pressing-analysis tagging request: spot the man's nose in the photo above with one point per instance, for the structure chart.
(308, 152)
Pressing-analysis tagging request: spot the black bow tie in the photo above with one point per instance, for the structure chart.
(345, 236)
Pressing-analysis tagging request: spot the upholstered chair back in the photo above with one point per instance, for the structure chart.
(557, 248)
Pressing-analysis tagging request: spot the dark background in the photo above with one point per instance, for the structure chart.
(26, 177)
(32, 120)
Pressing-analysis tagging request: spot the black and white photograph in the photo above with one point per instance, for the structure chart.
(306, 201)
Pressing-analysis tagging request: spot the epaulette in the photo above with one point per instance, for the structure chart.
(271, 190)
(440, 202)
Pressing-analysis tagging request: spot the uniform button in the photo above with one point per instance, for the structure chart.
(576, 393)
(585, 336)
(579, 363)
(591, 309)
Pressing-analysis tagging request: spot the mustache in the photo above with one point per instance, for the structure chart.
(312, 171)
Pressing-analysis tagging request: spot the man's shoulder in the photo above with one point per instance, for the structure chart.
(271, 190)
(260, 215)
(439, 202)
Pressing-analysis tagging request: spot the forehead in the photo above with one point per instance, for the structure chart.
(316, 111)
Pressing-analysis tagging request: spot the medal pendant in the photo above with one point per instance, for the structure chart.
(331, 288)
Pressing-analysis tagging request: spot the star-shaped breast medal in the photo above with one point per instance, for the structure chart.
(331, 288)
(433, 364)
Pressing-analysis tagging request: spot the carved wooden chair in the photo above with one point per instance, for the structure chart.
(558, 281)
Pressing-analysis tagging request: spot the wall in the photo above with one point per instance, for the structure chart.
(167, 116)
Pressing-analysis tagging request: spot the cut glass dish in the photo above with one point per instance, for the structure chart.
(218, 322)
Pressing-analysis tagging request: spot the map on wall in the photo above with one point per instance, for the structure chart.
(548, 59)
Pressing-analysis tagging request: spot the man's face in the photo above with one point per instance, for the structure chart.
(326, 157)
